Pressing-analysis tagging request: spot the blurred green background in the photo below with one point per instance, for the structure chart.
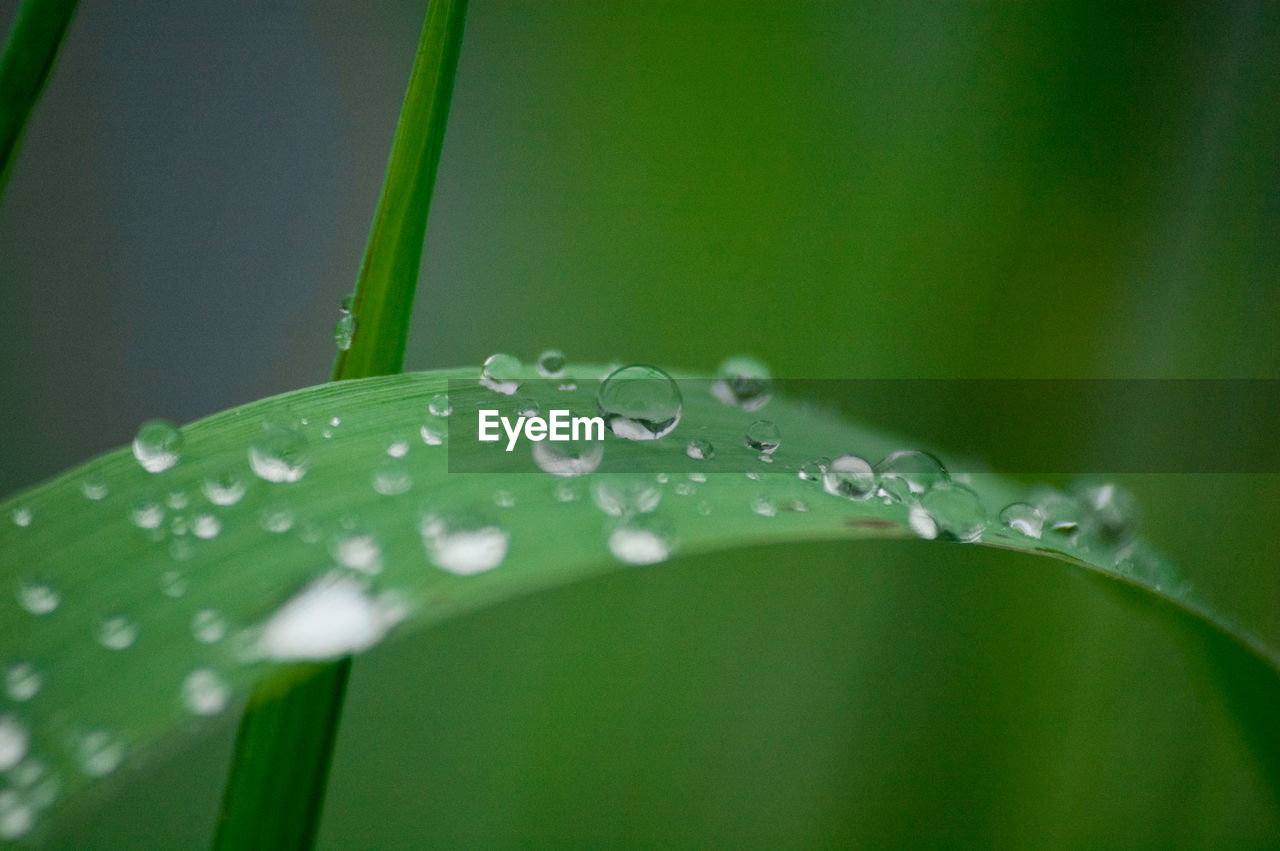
(862, 190)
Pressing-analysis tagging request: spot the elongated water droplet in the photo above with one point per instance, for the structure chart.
(639, 545)
(204, 692)
(625, 495)
(333, 616)
(700, 450)
(14, 741)
(502, 374)
(850, 477)
(345, 328)
(439, 405)
(98, 752)
(279, 455)
(22, 681)
(568, 458)
(956, 510)
(1024, 518)
(225, 489)
(157, 446)
(640, 402)
(38, 597)
(463, 546)
(764, 436)
(117, 632)
(551, 363)
(743, 381)
(907, 474)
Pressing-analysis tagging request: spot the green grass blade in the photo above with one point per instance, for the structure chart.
(159, 552)
(29, 55)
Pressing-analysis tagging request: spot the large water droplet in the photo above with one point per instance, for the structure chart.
(764, 436)
(640, 402)
(204, 692)
(700, 450)
(907, 474)
(279, 455)
(98, 752)
(502, 373)
(625, 495)
(848, 476)
(22, 681)
(157, 446)
(633, 544)
(568, 458)
(1023, 518)
(117, 632)
(38, 597)
(956, 510)
(225, 489)
(463, 546)
(345, 328)
(14, 741)
(743, 381)
(551, 363)
(333, 616)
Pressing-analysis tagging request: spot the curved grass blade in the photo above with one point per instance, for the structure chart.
(29, 55)
(146, 603)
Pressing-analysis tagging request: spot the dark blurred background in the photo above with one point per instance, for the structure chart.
(846, 190)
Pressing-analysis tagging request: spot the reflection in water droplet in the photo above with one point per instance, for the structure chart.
(22, 681)
(700, 450)
(463, 546)
(743, 381)
(764, 436)
(625, 495)
(502, 373)
(14, 741)
(204, 692)
(568, 458)
(439, 405)
(157, 446)
(38, 597)
(921, 523)
(908, 473)
(117, 632)
(640, 402)
(22, 516)
(956, 510)
(226, 489)
(98, 752)
(632, 544)
(208, 626)
(279, 455)
(1023, 518)
(850, 477)
(333, 616)
(94, 489)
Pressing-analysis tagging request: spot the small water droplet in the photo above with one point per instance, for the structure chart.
(38, 597)
(1063, 514)
(743, 381)
(358, 551)
(700, 450)
(764, 506)
(685, 489)
(22, 516)
(391, 477)
(849, 476)
(333, 616)
(398, 447)
(206, 526)
(14, 741)
(98, 752)
(908, 473)
(754, 476)
(157, 446)
(208, 626)
(504, 499)
(1112, 510)
(813, 471)
(147, 514)
(22, 681)
(523, 406)
(173, 583)
(334, 422)
(275, 518)
(94, 489)
(698, 477)
(181, 549)
(764, 436)
(431, 436)
(567, 491)
(439, 405)
(204, 692)
(551, 363)
(279, 455)
(18, 814)
(463, 545)
(632, 544)
(625, 495)
(177, 500)
(345, 328)
(225, 489)
(956, 510)
(1024, 518)
(568, 458)
(117, 632)
(502, 373)
(640, 402)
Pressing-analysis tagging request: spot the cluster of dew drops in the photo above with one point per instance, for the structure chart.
(339, 614)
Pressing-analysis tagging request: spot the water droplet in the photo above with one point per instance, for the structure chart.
(764, 436)
(334, 422)
(504, 499)
(117, 632)
(640, 402)
(22, 516)
(633, 544)
(177, 500)
(333, 616)
(567, 491)
(463, 546)
(358, 551)
(1063, 514)
(813, 471)
(208, 626)
(625, 495)
(279, 455)
(147, 514)
(849, 476)
(98, 752)
(956, 510)
(502, 373)
(14, 741)
(398, 447)
(431, 436)
(157, 446)
(1024, 518)
(764, 506)
(700, 450)
(568, 458)
(204, 692)
(685, 489)
(391, 477)
(226, 489)
(275, 518)
(181, 549)
(698, 477)
(206, 526)
(173, 583)
(743, 381)
(94, 489)
(921, 522)
(906, 474)
(551, 363)
(1113, 510)
(439, 405)
(345, 328)
(38, 597)
(22, 681)
(523, 406)
(17, 814)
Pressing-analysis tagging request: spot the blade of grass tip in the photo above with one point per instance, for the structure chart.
(279, 769)
(29, 54)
